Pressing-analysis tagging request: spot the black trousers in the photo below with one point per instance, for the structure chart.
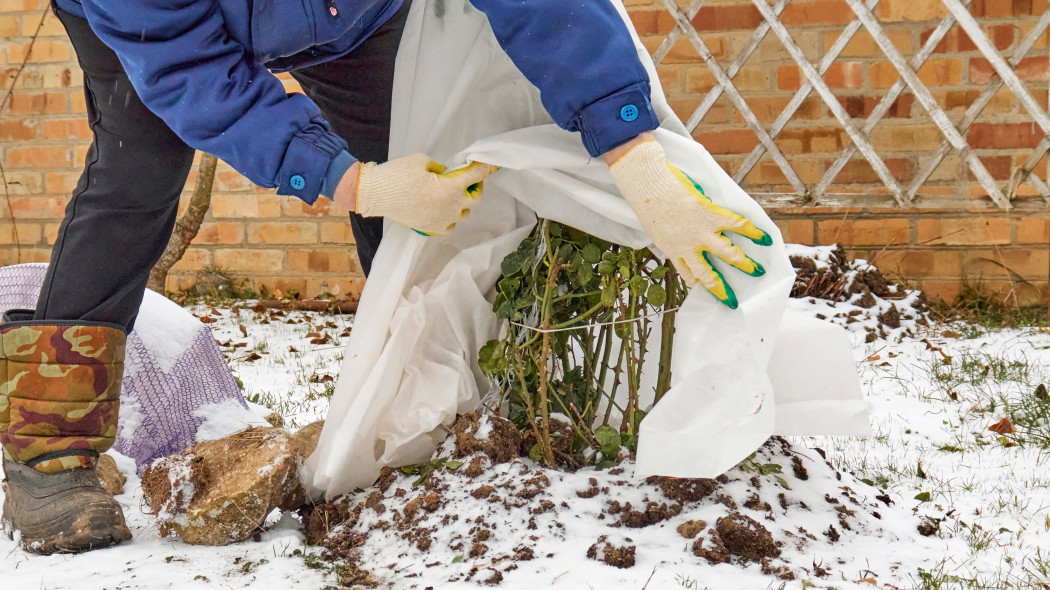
(122, 212)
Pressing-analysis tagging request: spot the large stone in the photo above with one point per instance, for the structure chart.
(111, 477)
(219, 492)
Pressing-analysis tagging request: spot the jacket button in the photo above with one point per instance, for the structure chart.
(629, 113)
(297, 182)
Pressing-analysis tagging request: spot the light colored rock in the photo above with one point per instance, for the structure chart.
(111, 477)
(219, 492)
(306, 439)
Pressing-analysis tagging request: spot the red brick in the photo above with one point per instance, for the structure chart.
(1030, 263)
(797, 231)
(337, 261)
(728, 142)
(727, 18)
(789, 77)
(220, 232)
(963, 231)
(38, 207)
(1033, 230)
(61, 182)
(77, 128)
(18, 130)
(22, 234)
(862, 106)
(49, 156)
(920, 263)
(343, 288)
(910, 10)
(859, 171)
(845, 75)
(941, 72)
(36, 103)
(336, 232)
(1034, 69)
(863, 45)
(882, 74)
(1004, 135)
(245, 205)
(863, 232)
(651, 22)
(282, 233)
(193, 259)
(246, 260)
(813, 12)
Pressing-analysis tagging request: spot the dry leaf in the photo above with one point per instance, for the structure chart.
(252, 357)
(873, 358)
(1004, 426)
(244, 330)
(293, 349)
(240, 345)
(208, 320)
(871, 581)
(314, 335)
(323, 340)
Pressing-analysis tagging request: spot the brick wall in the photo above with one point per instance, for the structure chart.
(954, 234)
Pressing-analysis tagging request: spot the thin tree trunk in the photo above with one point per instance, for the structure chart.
(188, 224)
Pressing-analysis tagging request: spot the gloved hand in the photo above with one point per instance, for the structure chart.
(417, 192)
(683, 222)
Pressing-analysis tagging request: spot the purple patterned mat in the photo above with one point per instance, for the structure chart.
(174, 375)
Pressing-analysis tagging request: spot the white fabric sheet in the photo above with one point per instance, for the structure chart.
(411, 361)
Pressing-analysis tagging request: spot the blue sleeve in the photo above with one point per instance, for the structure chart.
(581, 56)
(216, 96)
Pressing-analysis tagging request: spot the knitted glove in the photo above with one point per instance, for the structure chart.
(682, 221)
(416, 191)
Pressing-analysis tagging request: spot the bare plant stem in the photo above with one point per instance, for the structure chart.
(663, 380)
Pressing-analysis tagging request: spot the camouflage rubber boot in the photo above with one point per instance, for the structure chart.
(59, 396)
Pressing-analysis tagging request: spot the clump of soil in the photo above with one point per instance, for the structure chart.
(691, 528)
(652, 514)
(744, 536)
(711, 548)
(492, 436)
(682, 489)
(621, 556)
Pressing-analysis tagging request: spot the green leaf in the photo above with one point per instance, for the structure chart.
(591, 253)
(536, 453)
(585, 274)
(555, 229)
(506, 310)
(609, 438)
(453, 465)
(608, 297)
(923, 496)
(656, 295)
(659, 273)
(457, 559)
(783, 483)
(511, 264)
(607, 464)
(606, 268)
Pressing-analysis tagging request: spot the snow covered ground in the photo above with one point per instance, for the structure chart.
(981, 496)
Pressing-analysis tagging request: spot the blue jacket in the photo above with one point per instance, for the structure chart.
(204, 66)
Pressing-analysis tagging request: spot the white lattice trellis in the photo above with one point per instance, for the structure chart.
(860, 136)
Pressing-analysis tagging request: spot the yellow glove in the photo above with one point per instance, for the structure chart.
(682, 221)
(417, 192)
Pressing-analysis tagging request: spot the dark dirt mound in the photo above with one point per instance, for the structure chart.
(744, 536)
(621, 556)
(835, 279)
(494, 437)
(683, 489)
(562, 436)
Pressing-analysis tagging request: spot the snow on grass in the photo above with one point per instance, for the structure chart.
(983, 497)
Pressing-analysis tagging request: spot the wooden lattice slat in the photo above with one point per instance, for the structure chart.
(954, 135)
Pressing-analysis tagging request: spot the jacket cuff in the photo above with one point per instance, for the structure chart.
(336, 170)
(307, 163)
(616, 119)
